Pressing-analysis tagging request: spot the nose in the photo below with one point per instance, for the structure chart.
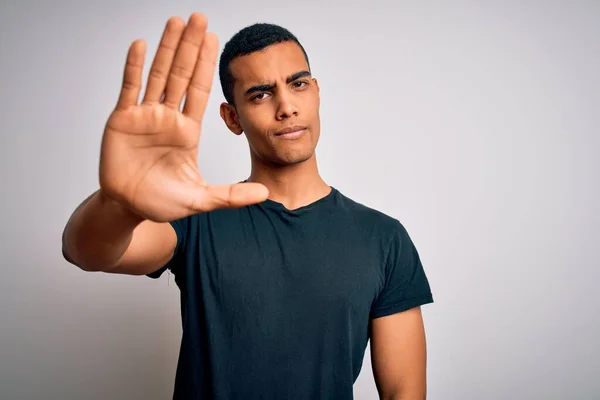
(287, 108)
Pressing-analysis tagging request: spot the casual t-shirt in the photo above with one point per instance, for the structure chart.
(277, 303)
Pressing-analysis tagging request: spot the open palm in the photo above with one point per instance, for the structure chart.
(149, 151)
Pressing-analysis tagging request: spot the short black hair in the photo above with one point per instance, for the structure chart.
(249, 40)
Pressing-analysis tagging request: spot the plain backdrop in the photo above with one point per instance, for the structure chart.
(476, 124)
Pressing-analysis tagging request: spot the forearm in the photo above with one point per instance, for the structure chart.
(98, 233)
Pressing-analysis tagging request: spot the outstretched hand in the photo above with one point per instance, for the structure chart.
(149, 151)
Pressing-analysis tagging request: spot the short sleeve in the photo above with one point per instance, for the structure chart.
(181, 228)
(406, 285)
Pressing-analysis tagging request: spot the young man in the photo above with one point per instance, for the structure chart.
(283, 279)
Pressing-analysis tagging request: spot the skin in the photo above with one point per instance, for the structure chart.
(399, 355)
(149, 173)
(288, 96)
(273, 90)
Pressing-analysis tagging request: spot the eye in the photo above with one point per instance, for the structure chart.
(260, 96)
(299, 84)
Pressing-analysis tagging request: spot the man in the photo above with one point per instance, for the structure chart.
(283, 279)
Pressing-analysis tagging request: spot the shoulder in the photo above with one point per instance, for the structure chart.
(368, 216)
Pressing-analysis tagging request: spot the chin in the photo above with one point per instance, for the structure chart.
(293, 158)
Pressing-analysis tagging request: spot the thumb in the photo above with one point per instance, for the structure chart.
(236, 195)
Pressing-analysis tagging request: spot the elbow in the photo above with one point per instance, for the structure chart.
(404, 396)
(391, 395)
(73, 260)
(404, 393)
(69, 258)
(67, 251)
(73, 254)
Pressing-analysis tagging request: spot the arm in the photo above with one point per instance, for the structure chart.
(149, 157)
(102, 235)
(398, 355)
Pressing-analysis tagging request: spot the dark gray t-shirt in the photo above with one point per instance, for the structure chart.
(277, 303)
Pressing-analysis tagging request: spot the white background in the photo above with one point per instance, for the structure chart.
(474, 123)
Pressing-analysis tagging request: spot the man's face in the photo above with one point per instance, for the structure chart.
(274, 93)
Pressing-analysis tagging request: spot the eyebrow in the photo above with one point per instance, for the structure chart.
(270, 86)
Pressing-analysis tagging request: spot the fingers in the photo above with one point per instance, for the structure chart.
(200, 86)
(159, 72)
(185, 60)
(132, 76)
(229, 196)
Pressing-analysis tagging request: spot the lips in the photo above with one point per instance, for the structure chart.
(290, 130)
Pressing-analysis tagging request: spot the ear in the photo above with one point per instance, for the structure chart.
(317, 84)
(229, 116)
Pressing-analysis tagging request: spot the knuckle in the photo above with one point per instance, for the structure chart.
(200, 86)
(156, 73)
(167, 47)
(130, 85)
(181, 72)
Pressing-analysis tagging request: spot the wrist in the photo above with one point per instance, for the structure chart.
(118, 209)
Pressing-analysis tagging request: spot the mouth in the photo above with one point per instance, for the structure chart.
(291, 132)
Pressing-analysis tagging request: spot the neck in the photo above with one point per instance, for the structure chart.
(292, 185)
